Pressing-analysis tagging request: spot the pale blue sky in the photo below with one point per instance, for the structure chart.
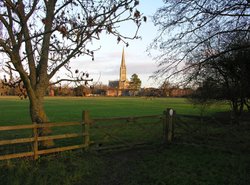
(108, 58)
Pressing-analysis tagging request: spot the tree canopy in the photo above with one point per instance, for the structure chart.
(186, 26)
(40, 37)
(226, 77)
(135, 82)
(206, 42)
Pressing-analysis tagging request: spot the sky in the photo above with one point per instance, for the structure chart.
(106, 65)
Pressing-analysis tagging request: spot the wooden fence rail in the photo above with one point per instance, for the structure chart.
(85, 134)
(35, 139)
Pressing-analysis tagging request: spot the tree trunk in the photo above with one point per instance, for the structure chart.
(237, 107)
(39, 116)
(247, 104)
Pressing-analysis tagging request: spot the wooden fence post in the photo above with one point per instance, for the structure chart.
(35, 145)
(169, 125)
(86, 122)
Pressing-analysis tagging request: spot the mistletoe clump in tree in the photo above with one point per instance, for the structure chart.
(40, 37)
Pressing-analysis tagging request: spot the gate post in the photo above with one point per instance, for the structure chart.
(169, 125)
(86, 122)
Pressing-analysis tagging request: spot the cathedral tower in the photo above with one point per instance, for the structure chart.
(123, 82)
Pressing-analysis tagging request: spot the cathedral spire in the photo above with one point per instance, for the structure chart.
(123, 75)
(123, 59)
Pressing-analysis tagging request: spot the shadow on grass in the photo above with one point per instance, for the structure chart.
(151, 165)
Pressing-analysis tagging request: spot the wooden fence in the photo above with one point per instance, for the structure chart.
(35, 139)
(167, 118)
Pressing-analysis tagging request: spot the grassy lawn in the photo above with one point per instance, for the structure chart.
(14, 110)
(176, 164)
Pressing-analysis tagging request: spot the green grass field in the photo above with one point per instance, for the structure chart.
(14, 110)
(176, 164)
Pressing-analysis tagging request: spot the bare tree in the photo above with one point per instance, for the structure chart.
(226, 77)
(40, 37)
(185, 26)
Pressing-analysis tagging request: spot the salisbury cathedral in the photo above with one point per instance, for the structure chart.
(120, 87)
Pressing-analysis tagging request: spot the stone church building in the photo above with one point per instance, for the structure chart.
(119, 87)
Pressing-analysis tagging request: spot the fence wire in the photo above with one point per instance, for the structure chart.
(126, 131)
(210, 132)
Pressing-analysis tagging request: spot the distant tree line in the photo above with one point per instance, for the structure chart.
(164, 90)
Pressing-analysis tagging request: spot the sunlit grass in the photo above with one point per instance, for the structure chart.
(14, 110)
